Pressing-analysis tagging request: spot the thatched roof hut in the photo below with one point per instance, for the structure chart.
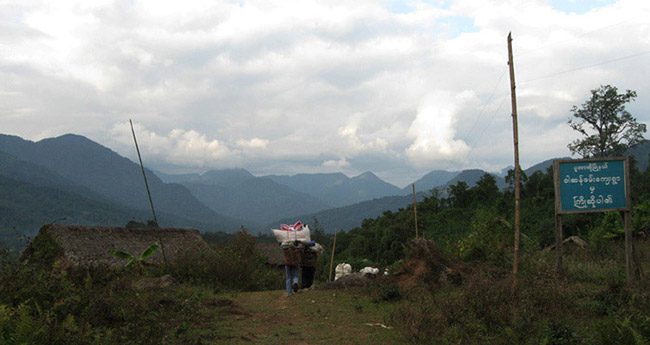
(272, 252)
(89, 245)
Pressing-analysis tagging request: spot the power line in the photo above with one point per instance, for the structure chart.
(478, 138)
(485, 128)
(571, 39)
(485, 105)
(487, 102)
(585, 67)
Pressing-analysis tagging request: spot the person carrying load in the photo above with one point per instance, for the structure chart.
(293, 239)
(309, 264)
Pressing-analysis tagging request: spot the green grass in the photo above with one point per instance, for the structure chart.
(40, 302)
(313, 317)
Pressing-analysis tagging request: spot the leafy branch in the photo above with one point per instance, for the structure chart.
(132, 259)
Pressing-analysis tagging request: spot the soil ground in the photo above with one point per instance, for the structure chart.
(308, 317)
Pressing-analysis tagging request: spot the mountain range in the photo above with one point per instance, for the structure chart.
(73, 177)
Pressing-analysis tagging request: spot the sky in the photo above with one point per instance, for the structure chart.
(399, 88)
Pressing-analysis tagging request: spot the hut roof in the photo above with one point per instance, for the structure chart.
(89, 245)
(272, 252)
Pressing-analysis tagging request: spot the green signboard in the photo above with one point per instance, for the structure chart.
(591, 185)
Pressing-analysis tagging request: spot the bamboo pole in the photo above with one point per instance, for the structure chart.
(333, 249)
(515, 134)
(415, 212)
(632, 264)
(162, 247)
(558, 244)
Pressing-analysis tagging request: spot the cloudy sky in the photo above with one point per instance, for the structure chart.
(399, 88)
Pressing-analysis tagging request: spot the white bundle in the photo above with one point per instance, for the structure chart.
(317, 248)
(369, 270)
(301, 235)
(342, 270)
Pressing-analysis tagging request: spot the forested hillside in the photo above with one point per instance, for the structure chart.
(256, 200)
(76, 164)
(476, 221)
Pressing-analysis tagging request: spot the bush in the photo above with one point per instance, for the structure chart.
(235, 266)
(491, 240)
(604, 235)
(485, 310)
(629, 330)
(384, 290)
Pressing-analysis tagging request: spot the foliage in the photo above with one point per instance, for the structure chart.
(216, 237)
(626, 329)
(45, 302)
(236, 265)
(541, 310)
(132, 259)
(608, 129)
(136, 224)
(490, 241)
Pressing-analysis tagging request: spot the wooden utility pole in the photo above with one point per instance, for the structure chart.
(630, 272)
(515, 133)
(333, 249)
(415, 212)
(162, 247)
(558, 243)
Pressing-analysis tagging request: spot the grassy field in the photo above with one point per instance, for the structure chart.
(310, 317)
(591, 303)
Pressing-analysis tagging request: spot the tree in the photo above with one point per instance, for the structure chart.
(608, 129)
(459, 194)
(486, 189)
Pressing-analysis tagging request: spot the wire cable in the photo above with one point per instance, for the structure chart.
(570, 39)
(485, 128)
(480, 114)
(585, 67)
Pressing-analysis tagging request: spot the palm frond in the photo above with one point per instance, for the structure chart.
(150, 250)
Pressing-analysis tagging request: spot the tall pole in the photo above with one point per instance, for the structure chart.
(558, 244)
(415, 212)
(515, 133)
(333, 249)
(162, 248)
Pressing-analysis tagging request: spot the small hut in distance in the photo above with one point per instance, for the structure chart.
(89, 245)
(273, 254)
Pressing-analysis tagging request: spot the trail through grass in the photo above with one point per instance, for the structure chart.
(310, 317)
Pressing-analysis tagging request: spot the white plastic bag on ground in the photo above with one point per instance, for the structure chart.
(301, 235)
(369, 270)
(342, 270)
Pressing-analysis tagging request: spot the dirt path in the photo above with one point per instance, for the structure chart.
(310, 317)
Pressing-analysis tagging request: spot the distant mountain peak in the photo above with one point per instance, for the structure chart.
(70, 138)
(366, 176)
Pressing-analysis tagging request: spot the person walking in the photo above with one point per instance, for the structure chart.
(309, 264)
(292, 258)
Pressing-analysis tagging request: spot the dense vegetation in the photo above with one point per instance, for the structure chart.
(590, 304)
(468, 239)
(41, 302)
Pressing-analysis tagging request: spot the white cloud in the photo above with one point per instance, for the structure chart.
(336, 164)
(262, 83)
(434, 131)
(255, 143)
(177, 147)
(356, 144)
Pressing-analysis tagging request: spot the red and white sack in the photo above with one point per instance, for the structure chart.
(301, 234)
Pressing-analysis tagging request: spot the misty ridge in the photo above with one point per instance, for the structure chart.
(74, 180)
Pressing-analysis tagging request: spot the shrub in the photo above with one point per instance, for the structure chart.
(485, 310)
(491, 240)
(604, 235)
(235, 266)
(629, 330)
